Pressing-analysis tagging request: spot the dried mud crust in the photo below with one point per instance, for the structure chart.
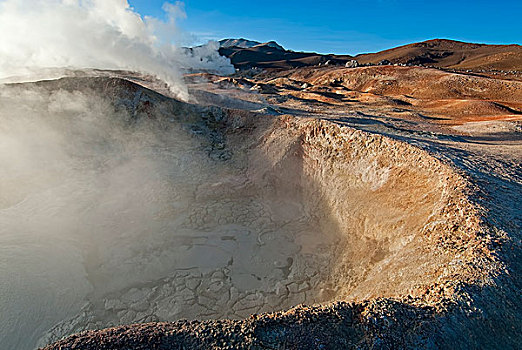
(411, 266)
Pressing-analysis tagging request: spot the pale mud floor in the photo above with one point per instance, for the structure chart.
(167, 211)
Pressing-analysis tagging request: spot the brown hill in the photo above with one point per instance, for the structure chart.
(450, 54)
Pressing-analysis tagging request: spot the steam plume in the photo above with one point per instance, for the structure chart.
(103, 34)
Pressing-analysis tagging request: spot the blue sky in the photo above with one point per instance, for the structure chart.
(351, 27)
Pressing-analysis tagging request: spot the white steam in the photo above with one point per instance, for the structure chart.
(102, 34)
(80, 197)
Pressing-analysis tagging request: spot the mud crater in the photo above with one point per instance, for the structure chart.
(188, 212)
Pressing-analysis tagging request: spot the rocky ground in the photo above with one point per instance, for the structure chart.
(412, 179)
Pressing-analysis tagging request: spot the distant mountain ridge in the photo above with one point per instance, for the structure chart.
(246, 54)
(241, 43)
(247, 44)
(442, 53)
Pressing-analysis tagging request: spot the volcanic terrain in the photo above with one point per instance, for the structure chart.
(290, 207)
